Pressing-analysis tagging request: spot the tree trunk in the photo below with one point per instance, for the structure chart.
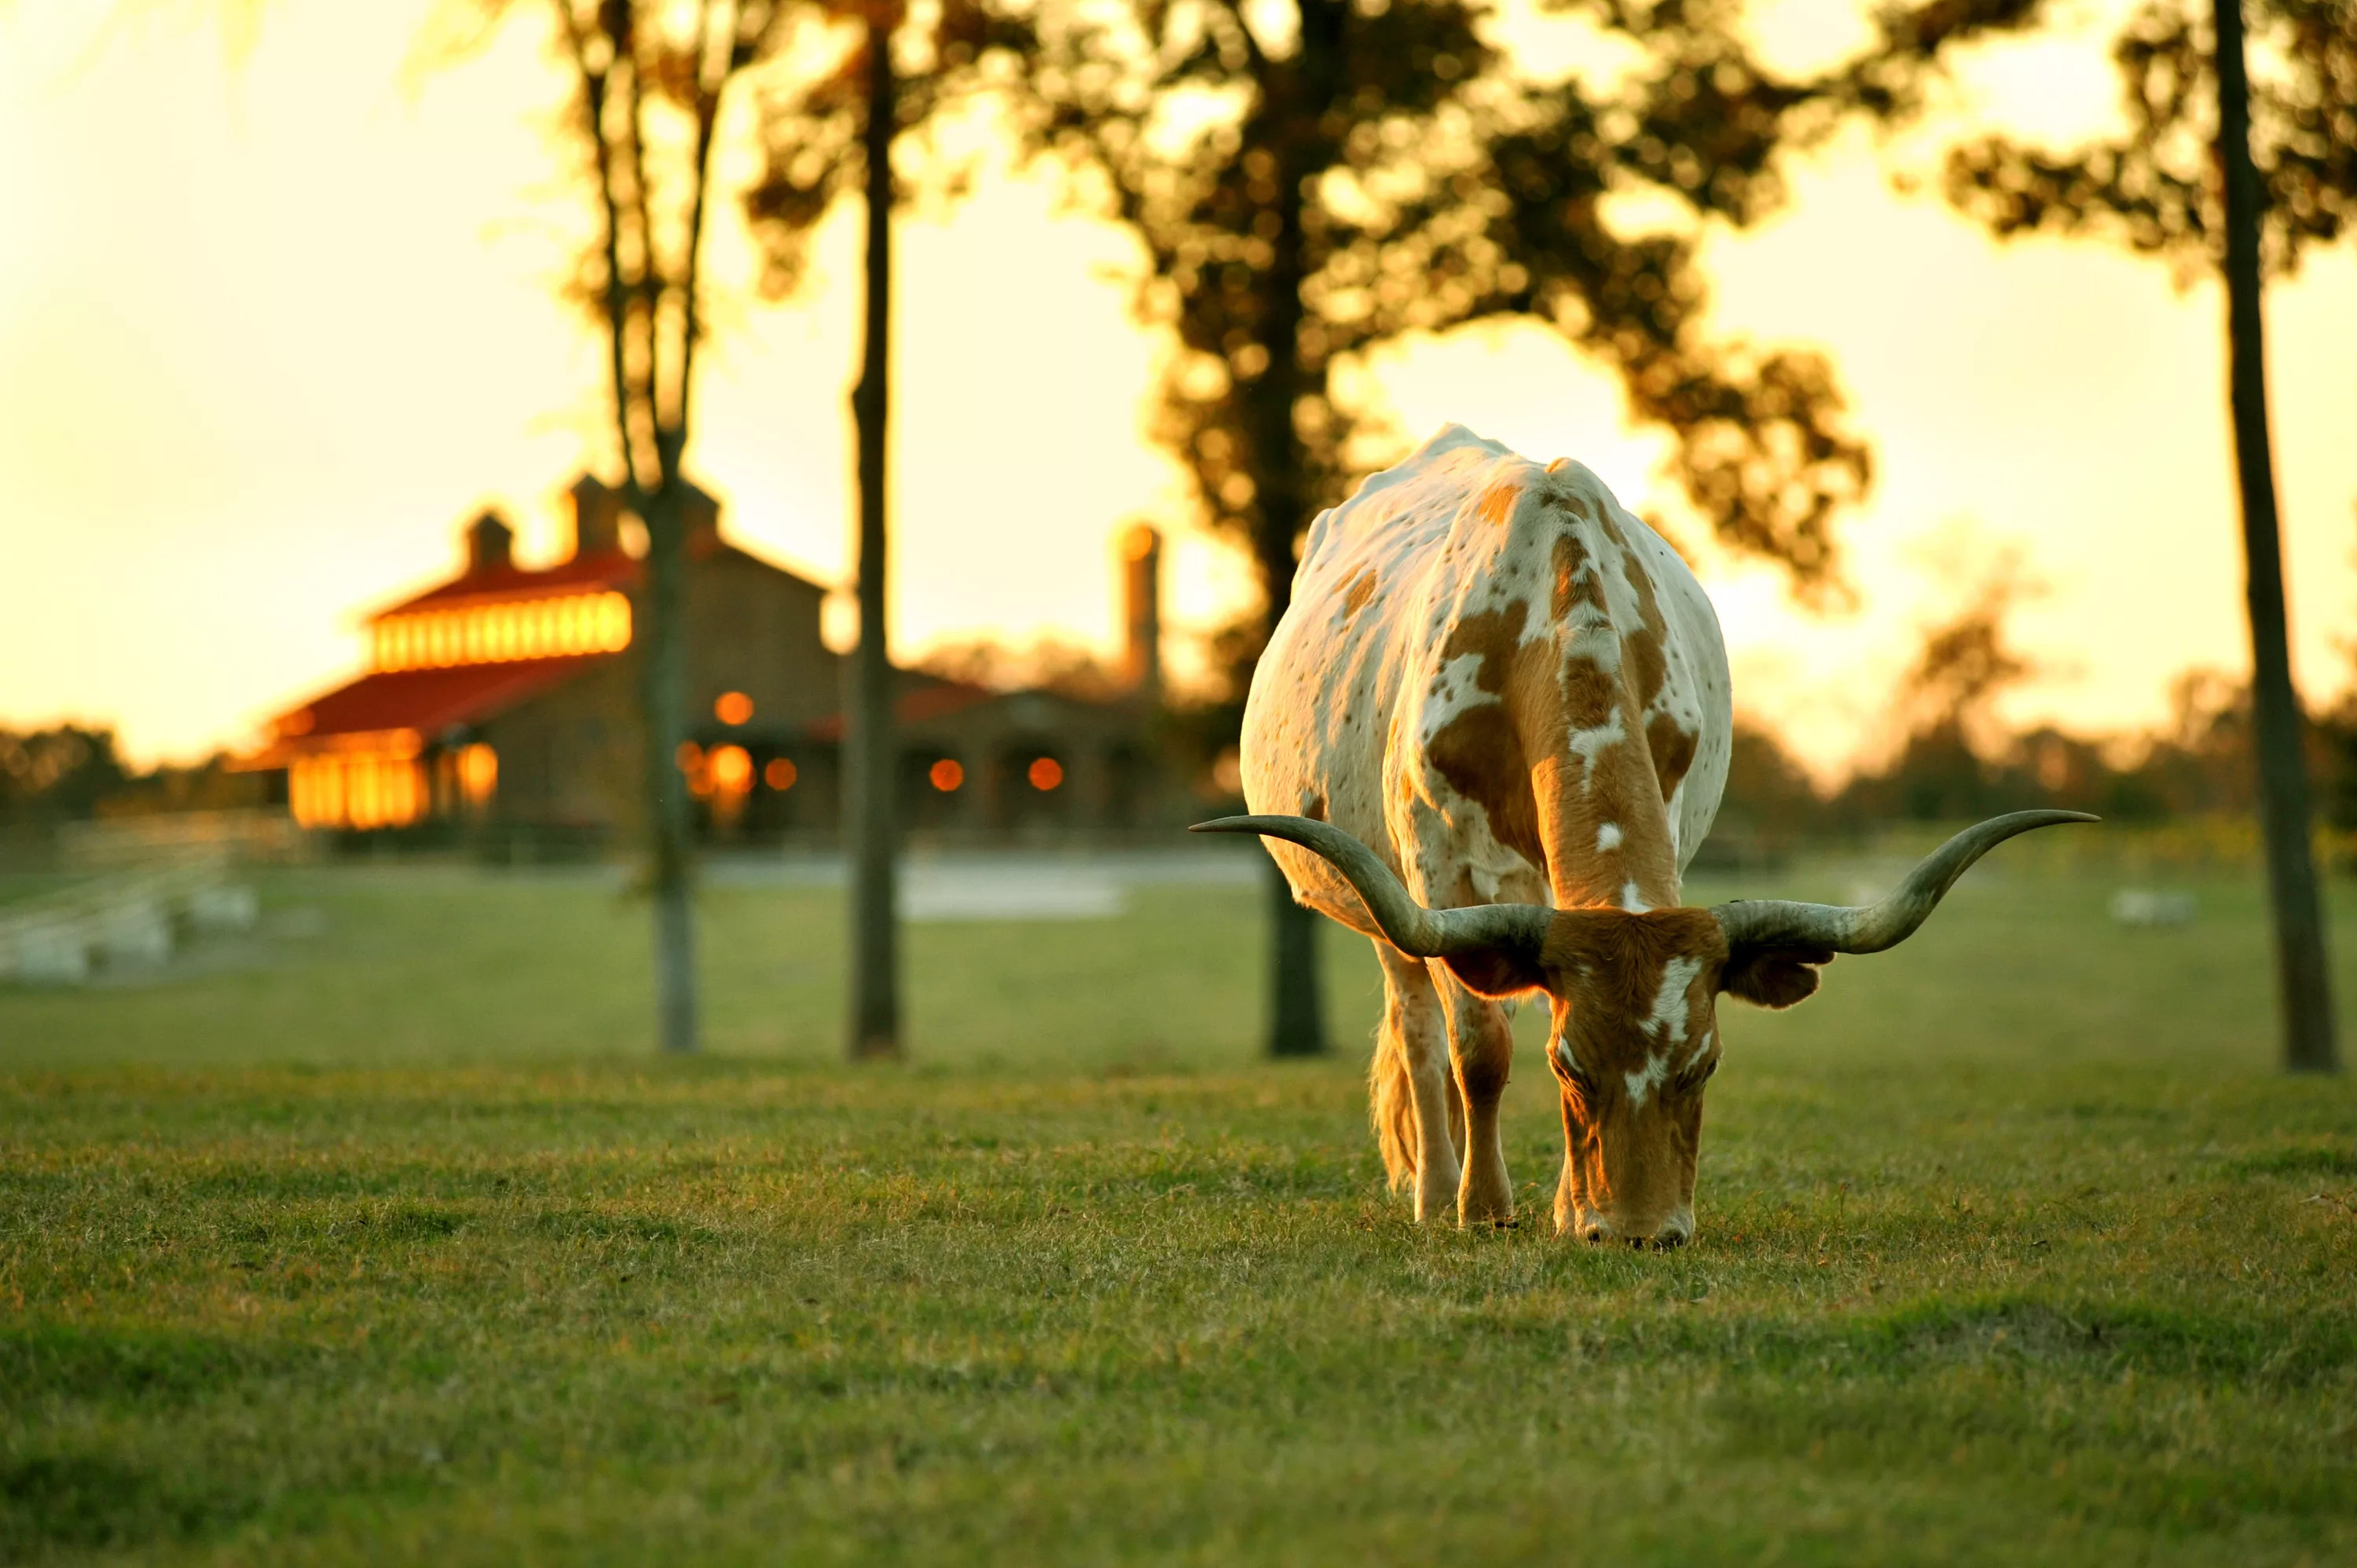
(871, 776)
(1296, 1022)
(2302, 976)
(669, 824)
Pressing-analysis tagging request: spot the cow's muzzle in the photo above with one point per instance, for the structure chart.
(1597, 1230)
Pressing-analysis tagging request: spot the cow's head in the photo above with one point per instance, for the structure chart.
(1634, 998)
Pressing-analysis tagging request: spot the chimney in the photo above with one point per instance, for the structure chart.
(1141, 583)
(490, 545)
(596, 517)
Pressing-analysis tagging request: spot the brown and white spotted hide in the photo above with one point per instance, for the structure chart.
(1515, 692)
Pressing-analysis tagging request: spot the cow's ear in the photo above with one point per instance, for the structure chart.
(1773, 976)
(1497, 971)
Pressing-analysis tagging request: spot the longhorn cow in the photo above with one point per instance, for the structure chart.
(1489, 733)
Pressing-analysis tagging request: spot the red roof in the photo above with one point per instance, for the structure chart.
(428, 702)
(605, 569)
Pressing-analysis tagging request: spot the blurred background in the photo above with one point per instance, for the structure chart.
(322, 583)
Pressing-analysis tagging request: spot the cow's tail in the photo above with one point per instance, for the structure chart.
(1390, 1104)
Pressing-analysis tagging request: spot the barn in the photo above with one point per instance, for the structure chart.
(498, 708)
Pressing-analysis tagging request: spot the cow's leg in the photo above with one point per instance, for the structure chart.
(1412, 1076)
(1482, 1038)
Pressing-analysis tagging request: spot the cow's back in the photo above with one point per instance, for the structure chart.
(1500, 679)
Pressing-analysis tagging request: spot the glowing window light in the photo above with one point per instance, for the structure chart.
(574, 635)
(613, 622)
(731, 768)
(327, 797)
(781, 774)
(361, 791)
(1046, 773)
(733, 708)
(946, 774)
(478, 773)
(302, 791)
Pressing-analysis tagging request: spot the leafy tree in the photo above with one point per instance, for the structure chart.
(649, 82)
(1314, 180)
(56, 774)
(2213, 168)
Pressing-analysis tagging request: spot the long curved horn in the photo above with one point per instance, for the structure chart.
(1871, 928)
(1410, 926)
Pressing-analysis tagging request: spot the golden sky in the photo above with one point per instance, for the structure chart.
(273, 327)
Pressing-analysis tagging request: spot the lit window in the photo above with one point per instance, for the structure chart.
(780, 774)
(946, 774)
(478, 773)
(733, 708)
(613, 622)
(731, 768)
(1046, 773)
(355, 790)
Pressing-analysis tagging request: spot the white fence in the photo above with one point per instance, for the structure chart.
(130, 920)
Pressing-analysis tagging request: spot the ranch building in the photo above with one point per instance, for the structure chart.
(500, 708)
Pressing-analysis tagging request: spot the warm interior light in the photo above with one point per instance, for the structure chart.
(780, 774)
(732, 769)
(355, 790)
(946, 774)
(526, 629)
(478, 773)
(613, 622)
(690, 757)
(1046, 773)
(733, 708)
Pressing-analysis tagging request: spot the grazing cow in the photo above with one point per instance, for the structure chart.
(1489, 733)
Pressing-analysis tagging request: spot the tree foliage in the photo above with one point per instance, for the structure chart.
(813, 121)
(2153, 186)
(1310, 183)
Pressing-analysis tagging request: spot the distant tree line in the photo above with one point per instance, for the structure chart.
(69, 773)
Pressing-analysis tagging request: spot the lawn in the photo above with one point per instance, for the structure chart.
(382, 1236)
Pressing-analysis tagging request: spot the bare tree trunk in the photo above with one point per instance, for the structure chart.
(2302, 976)
(1296, 1009)
(663, 644)
(871, 776)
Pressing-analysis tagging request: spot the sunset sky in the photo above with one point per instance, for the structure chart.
(274, 321)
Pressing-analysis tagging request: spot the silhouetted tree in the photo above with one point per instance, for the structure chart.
(827, 137)
(648, 81)
(1313, 180)
(2184, 181)
(58, 774)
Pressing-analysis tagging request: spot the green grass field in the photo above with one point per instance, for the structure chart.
(384, 1238)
